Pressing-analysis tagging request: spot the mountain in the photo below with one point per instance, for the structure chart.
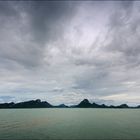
(138, 106)
(6, 105)
(120, 106)
(44, 104)
(32, 104)
(61, 106)
(123, 106)
(28, 104)
(84, 104)
(94, 105)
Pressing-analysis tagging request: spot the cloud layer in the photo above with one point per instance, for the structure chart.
(67, 51)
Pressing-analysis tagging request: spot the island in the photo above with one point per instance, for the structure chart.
(44, 104)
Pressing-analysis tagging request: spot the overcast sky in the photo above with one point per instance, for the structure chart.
(64, 52)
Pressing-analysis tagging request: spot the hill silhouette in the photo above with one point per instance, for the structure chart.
(86, 104)
(28, 104)
(44, 104)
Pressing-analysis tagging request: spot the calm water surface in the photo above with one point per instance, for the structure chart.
(69, 124)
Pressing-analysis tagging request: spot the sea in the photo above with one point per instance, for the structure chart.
(69, 123)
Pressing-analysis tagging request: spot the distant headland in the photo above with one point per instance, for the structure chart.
(44, 104)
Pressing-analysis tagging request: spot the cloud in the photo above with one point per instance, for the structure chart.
(66, 51)
(6, 98)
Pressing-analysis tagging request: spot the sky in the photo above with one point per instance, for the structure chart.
(65, 51)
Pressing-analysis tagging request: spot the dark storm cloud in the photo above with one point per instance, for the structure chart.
(29, 26)
(49, 18)
(66, 50)
(44, 16)
(7, 9)
(124, 33)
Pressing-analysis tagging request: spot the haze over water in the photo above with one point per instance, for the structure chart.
(69, 123)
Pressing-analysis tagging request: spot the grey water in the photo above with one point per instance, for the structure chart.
(71, 123)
